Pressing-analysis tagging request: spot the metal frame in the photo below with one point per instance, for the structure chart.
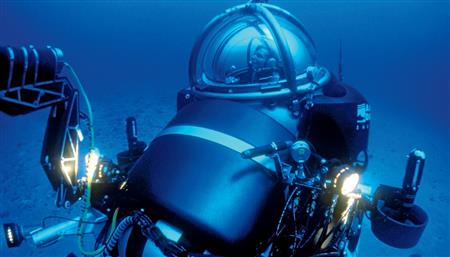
(292, 85)
(59, 157)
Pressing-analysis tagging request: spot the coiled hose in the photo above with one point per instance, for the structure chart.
(150, 231)
(126, 223)
(138, 218)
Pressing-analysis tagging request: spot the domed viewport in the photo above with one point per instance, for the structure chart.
(254, 51)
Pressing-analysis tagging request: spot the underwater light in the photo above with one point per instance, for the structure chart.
(92, 159)
(66, 171)
(346, 180)
(13, 234)
(350, 183)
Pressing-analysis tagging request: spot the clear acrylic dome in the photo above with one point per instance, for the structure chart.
(251, 48)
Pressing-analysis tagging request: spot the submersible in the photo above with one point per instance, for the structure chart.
(254, 79)
(263, 157)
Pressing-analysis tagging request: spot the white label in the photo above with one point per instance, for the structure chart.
(362, 116)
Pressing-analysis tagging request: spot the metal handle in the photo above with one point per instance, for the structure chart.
(413, 174)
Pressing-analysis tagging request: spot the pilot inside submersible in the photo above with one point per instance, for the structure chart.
(262, 56)
(263, 157)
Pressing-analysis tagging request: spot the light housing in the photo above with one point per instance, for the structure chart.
(346, 180)
(13, 234)
(350, 183)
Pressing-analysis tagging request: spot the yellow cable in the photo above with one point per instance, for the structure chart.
(89, 177)
(101, 248)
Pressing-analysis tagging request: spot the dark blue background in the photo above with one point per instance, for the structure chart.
(132, 57)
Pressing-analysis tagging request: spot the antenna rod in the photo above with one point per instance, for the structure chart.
(341, 63)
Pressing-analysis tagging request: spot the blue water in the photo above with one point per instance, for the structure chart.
(132, 57)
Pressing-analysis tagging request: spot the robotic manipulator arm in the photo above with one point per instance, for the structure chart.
(31, 79)
(36, 78)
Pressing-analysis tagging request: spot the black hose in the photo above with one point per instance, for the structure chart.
(126, 223)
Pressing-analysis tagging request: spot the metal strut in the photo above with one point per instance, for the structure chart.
(30, 80)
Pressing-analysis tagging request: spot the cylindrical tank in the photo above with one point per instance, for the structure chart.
(193, 176)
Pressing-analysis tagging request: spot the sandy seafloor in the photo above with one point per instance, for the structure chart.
(403, 115)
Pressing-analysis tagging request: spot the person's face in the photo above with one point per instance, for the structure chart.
(260, 57)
